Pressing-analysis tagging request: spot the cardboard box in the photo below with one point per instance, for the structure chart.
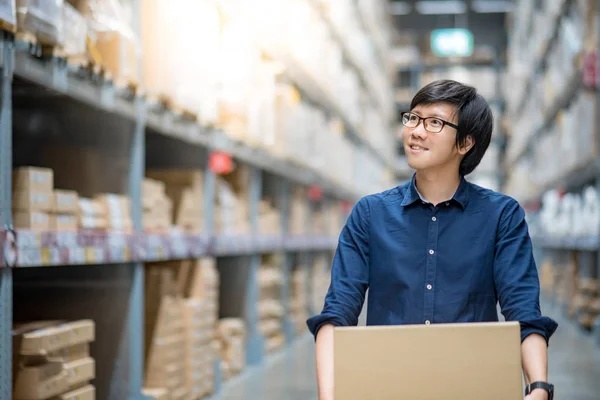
(26, 200)
(156, 394)
(72, 353)
(80, 371)
(65, 202)
(429, 362)
(85, 393)
(63, 222)
(40, 382)
(33, 179)
(40, 338)
(31, 220)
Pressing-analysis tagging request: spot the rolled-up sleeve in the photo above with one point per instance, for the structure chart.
(516, 276)
(349, 273)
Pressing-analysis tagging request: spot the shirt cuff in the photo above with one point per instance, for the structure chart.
(544, 326)
(315, 323)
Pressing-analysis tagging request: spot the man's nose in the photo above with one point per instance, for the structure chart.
(419, 131)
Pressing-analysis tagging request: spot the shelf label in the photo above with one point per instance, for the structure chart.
(220, 162)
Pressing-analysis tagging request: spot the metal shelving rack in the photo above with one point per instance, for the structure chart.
(119, 258)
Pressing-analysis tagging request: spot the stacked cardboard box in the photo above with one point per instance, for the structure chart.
(157, 207)
(184, 187)
(164, 333)
(566, 283)
(66, 210)
(587, 302)
(299, 299)
(92, 214)
(51, 360)
(201, 316)
(271, 311)
(299, 212)
(321, 278)
(231, 213)
(117, 209)
(42, 19)
(32, 198)
(269, 219)
(232, 336)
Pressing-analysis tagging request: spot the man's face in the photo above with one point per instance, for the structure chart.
(426, 150)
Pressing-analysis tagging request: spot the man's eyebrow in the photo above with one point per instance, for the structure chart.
(435, 115)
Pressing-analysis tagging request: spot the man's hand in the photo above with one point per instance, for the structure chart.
(537, 394)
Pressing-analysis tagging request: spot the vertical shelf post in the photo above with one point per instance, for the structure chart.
(308, 258)
(6, 286)
(597, 322)
(255, 343)
(286, 292)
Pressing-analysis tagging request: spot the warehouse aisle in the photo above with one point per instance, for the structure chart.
(574, 369)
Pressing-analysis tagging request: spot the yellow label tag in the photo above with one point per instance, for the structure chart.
(45, 256)
(90, 254)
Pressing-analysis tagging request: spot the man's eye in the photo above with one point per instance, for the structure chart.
(435, 122)
(414, 118)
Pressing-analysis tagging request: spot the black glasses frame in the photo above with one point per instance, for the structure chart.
(444, 123)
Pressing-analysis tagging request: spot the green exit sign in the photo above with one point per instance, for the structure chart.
(452, 42)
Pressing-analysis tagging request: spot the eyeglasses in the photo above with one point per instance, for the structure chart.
(431, 124)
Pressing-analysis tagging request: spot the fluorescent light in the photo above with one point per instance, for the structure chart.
(400, 8)
(492, 6)
(441, 7)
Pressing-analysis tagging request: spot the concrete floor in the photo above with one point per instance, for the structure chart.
(574, 369)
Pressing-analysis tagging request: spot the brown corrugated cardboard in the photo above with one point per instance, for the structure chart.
(80, 371)
(31, 220)
(63, 222)
(85, 393)
(156, 393)
(65, 202)
(33, 179)
(41, 381)
(27, 200)
(39, 338)
(72, 353)
(429, 362)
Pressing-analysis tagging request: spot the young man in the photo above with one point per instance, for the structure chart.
(438, 249)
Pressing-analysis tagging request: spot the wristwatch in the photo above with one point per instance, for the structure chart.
(548, 387)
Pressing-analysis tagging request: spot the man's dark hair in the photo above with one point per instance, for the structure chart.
(475, 117)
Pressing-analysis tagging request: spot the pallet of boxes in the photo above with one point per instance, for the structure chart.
(173, 197)
(270, 308)
(231, 333)
(201, 312)
(232, 196)
(51, 360)
(165, 347)
(299, 299)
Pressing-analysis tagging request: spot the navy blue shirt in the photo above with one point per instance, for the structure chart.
(426, 264)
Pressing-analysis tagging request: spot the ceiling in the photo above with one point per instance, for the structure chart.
(486, 19)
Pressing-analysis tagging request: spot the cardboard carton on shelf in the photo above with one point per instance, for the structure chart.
(156, 393)
(40, 380)
(63, 222)
(33, 179)
(65, 202)
(31, 220)
(87, 392)
(26, 200)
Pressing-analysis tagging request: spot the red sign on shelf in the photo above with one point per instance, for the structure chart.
(315, 192)
(220, 162)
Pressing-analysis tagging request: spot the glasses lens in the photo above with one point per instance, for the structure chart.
(409, 120)
(433, 125)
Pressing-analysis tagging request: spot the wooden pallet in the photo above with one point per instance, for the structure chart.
(161, 100)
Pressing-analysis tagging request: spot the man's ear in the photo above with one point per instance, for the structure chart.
(468, 145)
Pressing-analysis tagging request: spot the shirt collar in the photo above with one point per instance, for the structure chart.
(461, 196)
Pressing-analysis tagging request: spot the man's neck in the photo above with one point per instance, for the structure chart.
(436, 186)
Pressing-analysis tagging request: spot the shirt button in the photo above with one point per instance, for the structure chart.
(431, 252)
(429, 287)
(427, 322)
(447, 204)
(433, 219)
